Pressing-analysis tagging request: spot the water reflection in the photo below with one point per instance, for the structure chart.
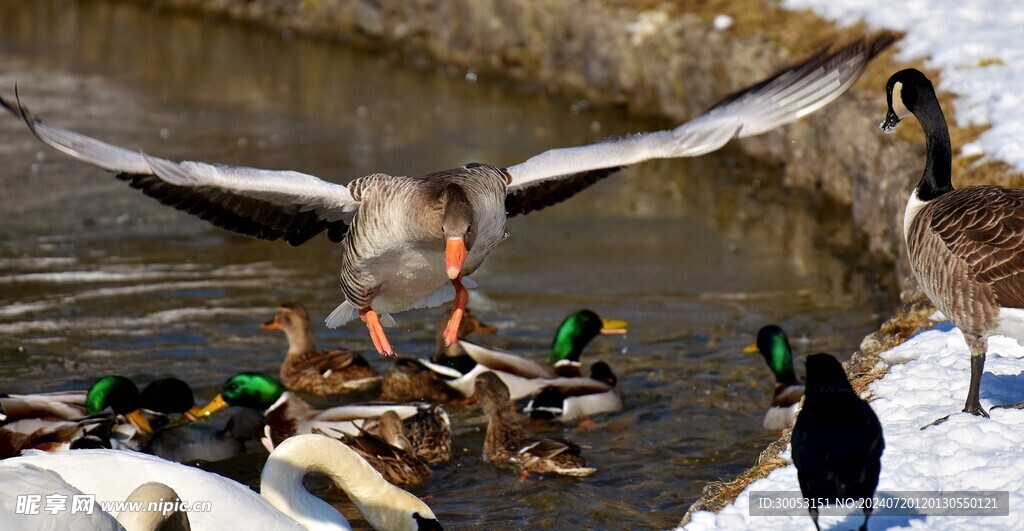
(696, 254)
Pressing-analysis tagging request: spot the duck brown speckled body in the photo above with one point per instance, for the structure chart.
(508, 441)
(389, 451)
(307, 369)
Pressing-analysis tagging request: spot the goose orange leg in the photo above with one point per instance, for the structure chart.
(451, 331)
(377, 332)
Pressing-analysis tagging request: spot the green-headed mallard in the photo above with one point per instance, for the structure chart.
(774, 346)
(288, 415)
(508, 441)
(307, 369)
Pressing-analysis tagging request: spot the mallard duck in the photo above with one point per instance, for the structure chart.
(388, 451)
(507, 440)
(774, 346)
(170, 395)
(202, 442)
(283, 502)
(570, 403)
(837, 439)
(27, 479)
(409, 241)
(307, 369)
(573, 335)
(287, 414)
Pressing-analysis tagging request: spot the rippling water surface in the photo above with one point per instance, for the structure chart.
(696, 254)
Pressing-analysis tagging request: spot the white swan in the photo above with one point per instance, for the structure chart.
(285, 503)
(28, 480)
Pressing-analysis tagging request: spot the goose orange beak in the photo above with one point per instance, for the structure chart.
(270, 325)
(613, 326)
(454, 255)
(214, 406)
(136, 419)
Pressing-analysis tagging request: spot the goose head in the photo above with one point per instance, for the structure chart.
(246, 389)
(293, 319)
(456, 227)
(119, 394)
(773, 345)
(825, 375)
(903, 92)
(577, 330)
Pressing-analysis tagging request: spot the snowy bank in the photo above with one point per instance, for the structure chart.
(928, 380)
(975, 45)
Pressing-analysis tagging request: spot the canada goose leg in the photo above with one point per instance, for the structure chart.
(867, 514)
(380, 341)
(977, 346)
(451, 331)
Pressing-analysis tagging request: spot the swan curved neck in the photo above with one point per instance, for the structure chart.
(384, 505)
(937, 178)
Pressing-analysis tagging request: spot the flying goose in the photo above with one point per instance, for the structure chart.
(409, 241)
(774, 346)
(966, 246)
(306, 369)
(837, 439)
(283, 501)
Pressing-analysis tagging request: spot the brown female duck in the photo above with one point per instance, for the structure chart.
(507, 440)
(389, 451)
(307, 369)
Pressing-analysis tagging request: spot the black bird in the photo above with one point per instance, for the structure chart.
(837, 439)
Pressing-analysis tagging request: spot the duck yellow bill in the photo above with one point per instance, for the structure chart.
(270, 325)
(454, 255)
(613, 326)
(194, 413)
(751, 349)
(136, 419)
(214, 406)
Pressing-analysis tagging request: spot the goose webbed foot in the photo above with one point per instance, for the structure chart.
(451, 331)
(380, 340)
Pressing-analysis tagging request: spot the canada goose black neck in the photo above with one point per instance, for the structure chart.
(918, 95)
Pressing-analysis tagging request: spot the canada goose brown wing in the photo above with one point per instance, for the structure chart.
(264, 204)
(984, 226)
(786, 96)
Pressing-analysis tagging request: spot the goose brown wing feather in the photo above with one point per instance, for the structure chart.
(984, 227)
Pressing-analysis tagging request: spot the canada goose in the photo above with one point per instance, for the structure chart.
(404, 239)
(966, 246)
(307, 369)
(283, 502)
(837, 439)
(774, 346)
(507, 440)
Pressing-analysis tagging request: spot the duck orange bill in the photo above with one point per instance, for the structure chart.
(454, 255)
(214, 406)
(136, 419)
(194, 413)
(270, 325)
(613, 326)
(751, 349)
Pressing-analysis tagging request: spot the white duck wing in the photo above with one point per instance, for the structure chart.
(504, 361)
(794, 92)
(264, 204)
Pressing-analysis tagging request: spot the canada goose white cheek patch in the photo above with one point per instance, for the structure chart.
(897, 101)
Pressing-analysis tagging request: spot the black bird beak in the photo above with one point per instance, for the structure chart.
(890, 123)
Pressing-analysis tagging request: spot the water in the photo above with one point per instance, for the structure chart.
(697, 254)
